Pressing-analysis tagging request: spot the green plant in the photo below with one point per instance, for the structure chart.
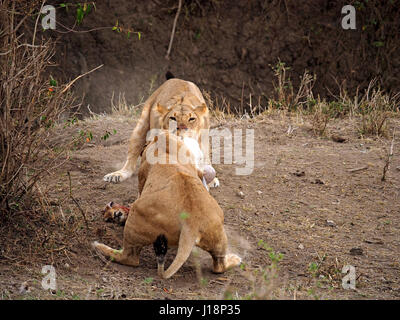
(108, 134)
(118, 28)
(274, 256)
(70, 122)
(313, 268)
(148, 280)
(99, 292)
(262, 279)
(82, 10)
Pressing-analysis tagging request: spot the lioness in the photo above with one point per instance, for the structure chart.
(175, 96)
(174, 204)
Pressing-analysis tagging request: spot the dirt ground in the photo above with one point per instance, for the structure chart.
(299, 182)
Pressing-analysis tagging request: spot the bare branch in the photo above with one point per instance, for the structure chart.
(173, 29)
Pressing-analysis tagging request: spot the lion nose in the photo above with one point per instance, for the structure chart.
(182, 127)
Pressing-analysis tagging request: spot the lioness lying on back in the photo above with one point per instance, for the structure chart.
(174, 99)
(173, 205)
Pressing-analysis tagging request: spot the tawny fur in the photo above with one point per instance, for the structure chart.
(173, 202)
(172, 94)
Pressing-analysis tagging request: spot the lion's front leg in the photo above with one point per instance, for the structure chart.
(136, 144)
(122, 174)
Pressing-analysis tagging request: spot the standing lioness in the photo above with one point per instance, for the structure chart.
(174, 204)
(173, 96)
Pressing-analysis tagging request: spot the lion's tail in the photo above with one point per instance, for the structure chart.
(186, 243)
(160, 248)
(169, 75)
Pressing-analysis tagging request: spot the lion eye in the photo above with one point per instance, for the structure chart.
(172, 118)
(192, 119)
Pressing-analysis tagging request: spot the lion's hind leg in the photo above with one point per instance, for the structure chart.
(129, 255)
(223, 261)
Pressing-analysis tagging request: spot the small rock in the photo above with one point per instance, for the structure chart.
(240, 194)
(318, 181)
(259, 192)
(338, 139)
(356, 251)
(299, 173)
(330, 223)
(301, 247)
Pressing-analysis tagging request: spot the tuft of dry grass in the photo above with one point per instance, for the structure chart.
(375, 109)
(122, 108)
(320, 118)
(286, 97)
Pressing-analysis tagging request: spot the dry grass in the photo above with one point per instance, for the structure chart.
(122, 108)
(370, 111)
(30, 107)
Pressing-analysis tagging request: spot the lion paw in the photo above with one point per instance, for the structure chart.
(117, 176)
(232, 260)
(214, 183)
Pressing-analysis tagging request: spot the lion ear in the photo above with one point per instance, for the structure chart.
(161, 109)
(201, 109)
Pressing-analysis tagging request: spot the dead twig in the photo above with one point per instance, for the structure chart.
(173, 29)
(388, 159)
(358, 169)
(80, 76)
(76, 202)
